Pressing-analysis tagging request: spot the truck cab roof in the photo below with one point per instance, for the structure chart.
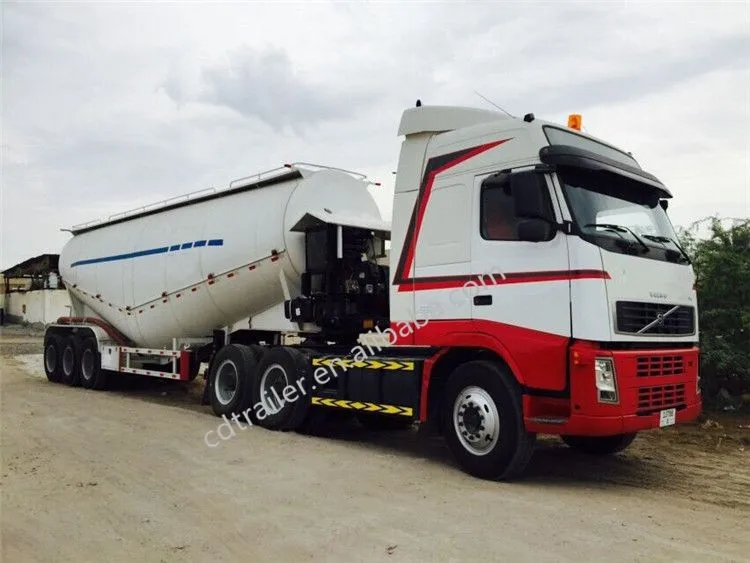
(438, 119)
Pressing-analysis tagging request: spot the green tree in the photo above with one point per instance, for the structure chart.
(722, 265)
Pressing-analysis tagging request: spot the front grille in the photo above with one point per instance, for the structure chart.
(659, 366)
(633, 317)
(652, 399)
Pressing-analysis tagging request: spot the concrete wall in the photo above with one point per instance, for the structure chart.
(42, 306)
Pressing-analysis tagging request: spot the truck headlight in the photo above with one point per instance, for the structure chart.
(606, 381)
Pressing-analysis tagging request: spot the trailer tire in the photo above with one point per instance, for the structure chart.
(482, 403)
(599, 445)
(280, 368)
(90, 366)
(52, 353)
(231, 379)
(70, 361)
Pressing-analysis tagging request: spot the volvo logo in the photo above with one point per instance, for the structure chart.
(659, 320)
(657, 295)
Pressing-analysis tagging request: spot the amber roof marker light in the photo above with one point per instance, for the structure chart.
(575, 121)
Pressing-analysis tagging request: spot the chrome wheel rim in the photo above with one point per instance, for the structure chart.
(274, 378)
(87, 365)
(68, 360)
(476, 420)
(50, 359)
(227, 382)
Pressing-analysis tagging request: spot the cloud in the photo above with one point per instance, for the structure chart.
(264, 84)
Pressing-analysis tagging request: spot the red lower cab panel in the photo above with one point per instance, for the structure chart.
(648, 382)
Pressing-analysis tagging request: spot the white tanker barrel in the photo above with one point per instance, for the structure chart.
(191, 267)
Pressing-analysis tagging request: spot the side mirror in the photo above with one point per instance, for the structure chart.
(664, 204)
(531, 196)
(534, 230)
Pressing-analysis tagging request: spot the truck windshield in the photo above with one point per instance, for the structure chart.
(619, 215)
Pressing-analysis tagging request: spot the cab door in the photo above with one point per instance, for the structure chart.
(521, 291)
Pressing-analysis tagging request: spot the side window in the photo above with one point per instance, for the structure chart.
(500, 217)
(497, 211)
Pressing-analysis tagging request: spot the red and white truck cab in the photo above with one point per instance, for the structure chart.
(553, 251)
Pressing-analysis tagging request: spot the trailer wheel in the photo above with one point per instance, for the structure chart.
(70, 360)
(599, 445)
(90, 368)
(52, 352)
(230, 380)
(281, 369)
(483, 421)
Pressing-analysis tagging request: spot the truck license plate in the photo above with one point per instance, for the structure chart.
(667, 417)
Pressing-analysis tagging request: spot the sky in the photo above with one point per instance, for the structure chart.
(112, 105)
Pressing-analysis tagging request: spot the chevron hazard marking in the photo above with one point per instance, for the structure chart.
(388, 365)
(361, 406)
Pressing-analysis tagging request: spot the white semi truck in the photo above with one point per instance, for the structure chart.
(534, 285)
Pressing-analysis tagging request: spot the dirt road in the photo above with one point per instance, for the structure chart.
(126, 476)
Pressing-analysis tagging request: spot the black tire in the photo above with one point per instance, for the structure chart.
(90, 366)
(231, 379)
(380, 422)
(316, 422)
(258, 351)
(599, 445)
(52, 354)
(281, 367)
(70, 359)
(482, 393)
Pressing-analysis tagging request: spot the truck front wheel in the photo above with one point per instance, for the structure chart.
(483, 421)
(599, 445)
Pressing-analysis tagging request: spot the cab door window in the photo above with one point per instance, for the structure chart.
(497, 211)
(499, 219)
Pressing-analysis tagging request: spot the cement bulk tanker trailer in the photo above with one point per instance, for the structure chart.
(533, 284)
(187, 267)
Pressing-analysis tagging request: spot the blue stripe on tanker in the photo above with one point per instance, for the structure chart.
(149, 252)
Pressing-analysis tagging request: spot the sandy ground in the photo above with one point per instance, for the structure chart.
(125, 475)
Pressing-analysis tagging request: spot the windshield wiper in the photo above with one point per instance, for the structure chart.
(657, 238)
(621, 229)
(663, 239)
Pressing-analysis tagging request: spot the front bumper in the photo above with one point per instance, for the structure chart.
(648, 381)
(582, 425)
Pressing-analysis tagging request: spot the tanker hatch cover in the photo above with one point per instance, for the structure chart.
(312, 219)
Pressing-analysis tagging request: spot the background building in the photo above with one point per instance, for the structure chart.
(33, 292)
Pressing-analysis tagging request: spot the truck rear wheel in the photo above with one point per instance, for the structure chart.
(231, 379)
(258, 351)
(70, 360)
(52, 352)
(282, 368)
(483, 421)
(599, 445)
